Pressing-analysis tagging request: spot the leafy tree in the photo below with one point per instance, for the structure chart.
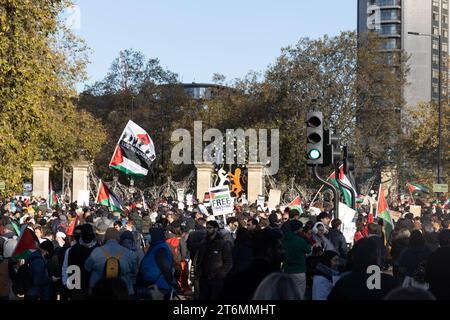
(40, 63)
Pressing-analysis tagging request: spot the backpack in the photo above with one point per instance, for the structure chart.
(23, 281)
(112, 264)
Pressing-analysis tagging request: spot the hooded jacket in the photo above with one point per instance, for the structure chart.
(295, 248)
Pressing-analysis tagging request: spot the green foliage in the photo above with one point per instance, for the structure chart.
(40, 62)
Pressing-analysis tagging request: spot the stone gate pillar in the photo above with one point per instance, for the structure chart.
(80, 178)
(204, 171)
(41, 176)
(255, 185)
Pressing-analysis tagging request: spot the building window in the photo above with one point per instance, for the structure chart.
(391, 14)
(445, 32)
(445, 5)
(390, 44)
(436, 44)
(436, 31)
(435, 88)
(445, 47)
(435, 17)
(436, 3)
(436, 73)
(391, 29)
(435, 59)
(445, 19)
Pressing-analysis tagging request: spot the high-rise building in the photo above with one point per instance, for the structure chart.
(394, 20)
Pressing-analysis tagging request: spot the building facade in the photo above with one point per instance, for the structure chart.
(394, 20)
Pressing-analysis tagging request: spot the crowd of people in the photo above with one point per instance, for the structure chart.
(158, 251)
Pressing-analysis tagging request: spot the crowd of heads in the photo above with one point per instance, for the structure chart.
(249, 234)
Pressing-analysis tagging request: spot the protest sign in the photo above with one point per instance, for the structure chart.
(221, 201)
(274, 199)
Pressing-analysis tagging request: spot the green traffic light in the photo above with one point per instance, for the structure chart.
(314, 154)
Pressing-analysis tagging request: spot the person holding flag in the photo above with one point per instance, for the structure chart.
(384, 214)
(32, 278)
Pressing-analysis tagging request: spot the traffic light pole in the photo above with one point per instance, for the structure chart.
(332, 187)
(352, 192)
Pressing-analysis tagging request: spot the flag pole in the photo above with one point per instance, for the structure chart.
(310, 205)
(98, 190)
(412, 197)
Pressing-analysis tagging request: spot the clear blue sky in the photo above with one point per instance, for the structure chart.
(198, 38)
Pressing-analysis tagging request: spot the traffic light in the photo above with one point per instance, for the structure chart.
(331, 148)
(349, 157)
(314, 138)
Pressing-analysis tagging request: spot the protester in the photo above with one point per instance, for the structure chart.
(212, 262)
(156, 269)
(95, 264)
(337, 238)
(353, 286)
(326, 275)
(295, 248)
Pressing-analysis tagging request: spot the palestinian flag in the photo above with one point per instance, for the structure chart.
(71, 227)
(344, 179)
(107, 198)
(134, 152)
(52, 199)
(27, 244)
(296, 204)
(415, 187)
(384, 213)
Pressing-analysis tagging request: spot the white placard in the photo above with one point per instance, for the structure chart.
(274, 199)
(347, 215)
(189, 200)
(83, 198)
(260, 201)
(221, 200)
(180, 195)
(415, 210)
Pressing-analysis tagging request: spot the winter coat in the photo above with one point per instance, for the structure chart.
(337, 238)
(323, 281)
(95, 264)
(295, 248)
(77, 255)
(40, 280)
(213, 259)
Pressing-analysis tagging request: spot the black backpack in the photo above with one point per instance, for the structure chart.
(23, 281)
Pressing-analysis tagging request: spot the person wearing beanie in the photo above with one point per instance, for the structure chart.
(95, 264)
(294, 260)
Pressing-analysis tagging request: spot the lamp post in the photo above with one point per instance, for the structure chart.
(439, 169)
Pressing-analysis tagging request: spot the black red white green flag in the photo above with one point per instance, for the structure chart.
(134, 152)
(107, 198)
